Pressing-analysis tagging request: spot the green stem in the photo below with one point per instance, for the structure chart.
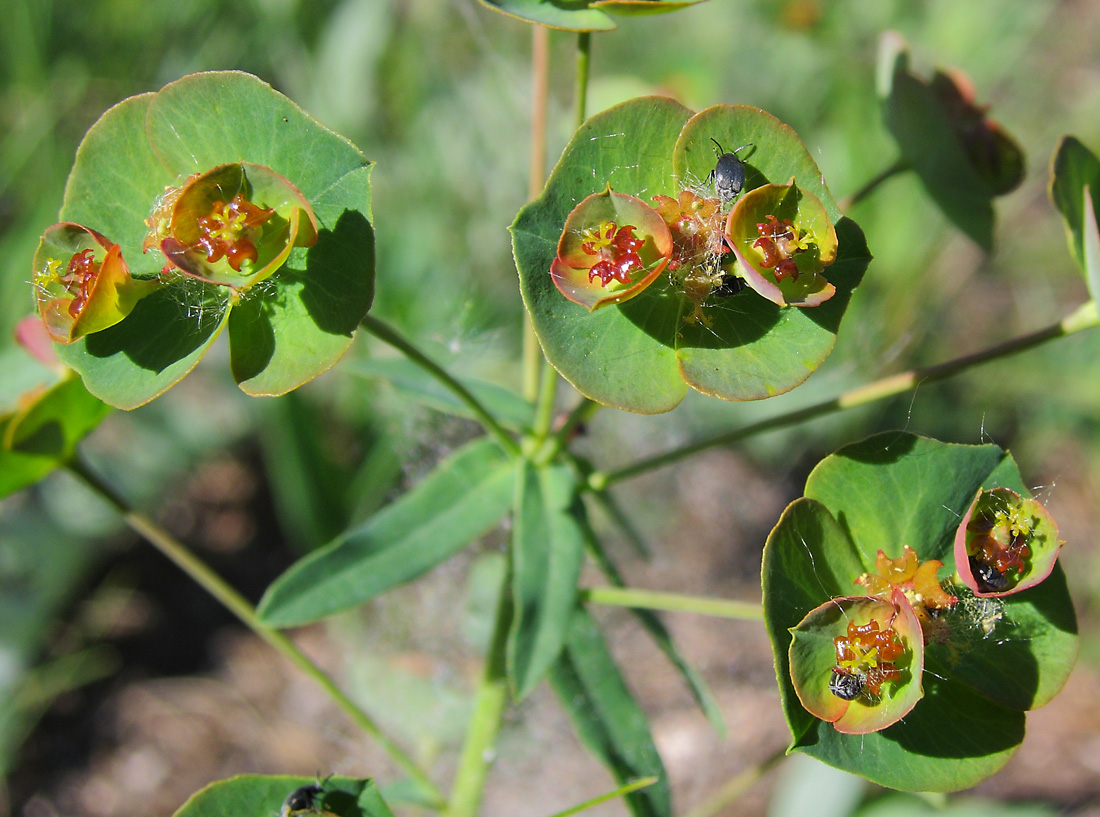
(544, 406)
(237, 604)
(581, 413)
(900, 166)
(622, 791)
(489, 704)
(1084, 317)
(390, 335)
(540, 92)
(674, 602)
(584, 58)
(736, 787)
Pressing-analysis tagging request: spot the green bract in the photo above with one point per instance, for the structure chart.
(615, 231)
(584, 15)
(987, 660)
(1075, 190)
(1005, 543)
(82, 284)
(642, 355)
(233, 225)
(154, 163)
(783, 207)
(813, 660)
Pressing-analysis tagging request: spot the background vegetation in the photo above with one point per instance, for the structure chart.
(438, 93)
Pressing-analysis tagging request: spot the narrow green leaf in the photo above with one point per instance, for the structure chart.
(547, 556)
(607, 718)
(460, 500)
(504, 404)
(318, 492)
(571, 17)
(255, 795)
(663, 639)
(622, 791)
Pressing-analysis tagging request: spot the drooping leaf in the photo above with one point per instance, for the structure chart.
(460, 500)
(44, 431)
(547, 555)
(606, 716)
(1075, 191)
(924, 128)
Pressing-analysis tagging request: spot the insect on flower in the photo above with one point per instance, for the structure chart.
(846, 685)
(728, 175)
(304, 798)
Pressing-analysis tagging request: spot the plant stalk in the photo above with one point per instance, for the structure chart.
(581, 413)
(584, 59)
(900, 166)
(540, 94)
(1084, 317)
(391, 336)
(215, 585)
(544, 406)
(674, 602)
(622, 791)
(479, 750)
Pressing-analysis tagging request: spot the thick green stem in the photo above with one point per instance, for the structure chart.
(736, 787)
(581, 413)
(391, 336)
(674, 602)
(540, 91)
(544, 406)
(237, 604)
(478, 752)
(1085, 317)
(900, 166)
(584, 58)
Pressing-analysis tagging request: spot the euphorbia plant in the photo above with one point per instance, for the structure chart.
(648, 266)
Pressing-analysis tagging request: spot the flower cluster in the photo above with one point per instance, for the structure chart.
(865, 654)
(231, 229)
(707, 255)
(82, 284)
(617, 250)
(1006, 543)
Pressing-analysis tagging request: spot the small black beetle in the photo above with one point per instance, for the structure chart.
(729, 174)
(989, 578)
(846, 686)
(300, 799)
